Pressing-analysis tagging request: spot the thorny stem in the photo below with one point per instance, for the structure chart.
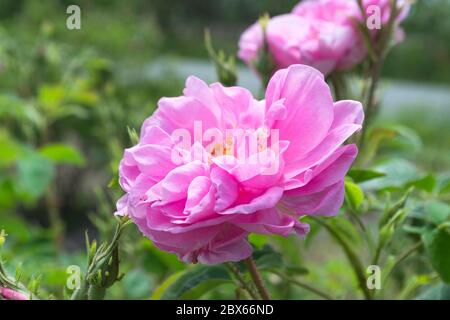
(240, 278)
(257, 279)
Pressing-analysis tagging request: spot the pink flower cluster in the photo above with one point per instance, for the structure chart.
(203, 209)
(319, 33)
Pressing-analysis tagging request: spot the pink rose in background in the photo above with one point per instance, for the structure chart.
(203, 208)
(403, 7)
(9, 294)
(341, 15)
(293, 39)
(337, 11)
(319, 33)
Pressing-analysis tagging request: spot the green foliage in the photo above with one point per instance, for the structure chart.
(34, 174)
(437, 244)
(439, 291)
(362, 175)
(193, 283)
(354, 195)
(62, 154)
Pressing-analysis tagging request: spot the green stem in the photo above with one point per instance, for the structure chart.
(402, 257)
(339, 86)
(96, 293)
(257, 279)
(351, 256)
(375, 69)
(377, 254)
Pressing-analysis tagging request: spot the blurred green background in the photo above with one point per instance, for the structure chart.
(68, 99)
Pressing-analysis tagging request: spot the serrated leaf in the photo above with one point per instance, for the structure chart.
(437, 246)
(63, 154)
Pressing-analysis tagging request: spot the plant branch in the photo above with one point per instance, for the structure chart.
(240, 278)
(257, 279)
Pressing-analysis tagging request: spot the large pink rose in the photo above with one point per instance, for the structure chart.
(202, 199)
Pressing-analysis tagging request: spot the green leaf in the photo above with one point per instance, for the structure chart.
(440, 291)
(16, 227)
(391, 210)
(35, 172)
(63, 154)
(296, 270)
(346, 229)
(414, 229)
(258, 240)
(51, 96)
(398, 173)
(194, 277)
(361, 175)
(427, 183)
(406, 138)
(267, 258)
(437, 212)
(437, 245)
(444, 184)
(354, 195)
(162, 288)
(204, 287)
(376, 135)
(9, 149)
(137, 284)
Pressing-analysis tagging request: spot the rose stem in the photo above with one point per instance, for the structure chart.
(257, 279)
